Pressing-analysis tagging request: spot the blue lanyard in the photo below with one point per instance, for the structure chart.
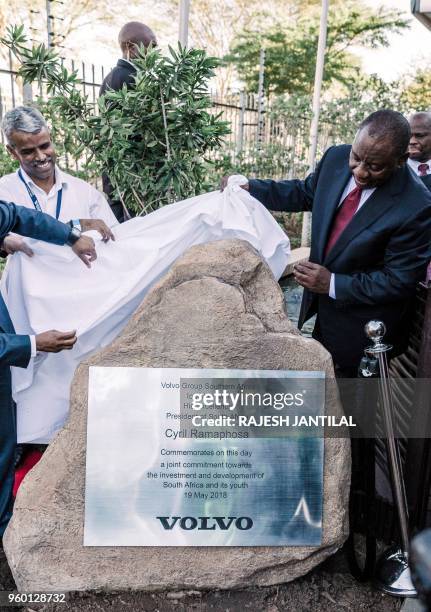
(34, 199)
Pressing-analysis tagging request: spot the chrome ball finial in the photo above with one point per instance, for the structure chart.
(375, 330)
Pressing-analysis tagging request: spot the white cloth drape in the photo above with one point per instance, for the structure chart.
(53, 290)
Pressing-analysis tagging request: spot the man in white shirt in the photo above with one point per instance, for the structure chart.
(420, 146)
(39, 184)
(17, 349)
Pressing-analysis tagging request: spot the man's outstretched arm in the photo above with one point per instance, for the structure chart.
(284, 196)
(17, 350)
(41, 226)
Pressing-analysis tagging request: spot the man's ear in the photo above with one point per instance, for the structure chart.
(132, 50)
(12, 151)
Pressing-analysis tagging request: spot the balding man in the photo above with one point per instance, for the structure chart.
(371, 237)
(420, 146)
(132, 36)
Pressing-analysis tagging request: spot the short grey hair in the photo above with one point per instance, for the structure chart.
(22, 119)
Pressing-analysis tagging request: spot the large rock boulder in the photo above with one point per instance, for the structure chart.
(218, 307)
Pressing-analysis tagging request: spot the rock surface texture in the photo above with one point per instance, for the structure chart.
(218, 307)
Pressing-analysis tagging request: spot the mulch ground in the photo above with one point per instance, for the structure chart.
(329, 587)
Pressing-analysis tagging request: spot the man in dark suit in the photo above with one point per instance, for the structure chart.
(420, 146)
(16, 349)
(132, 36)
(371, 237)
(420, 153)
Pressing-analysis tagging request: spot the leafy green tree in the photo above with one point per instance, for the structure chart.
(416, 95)
(150, 140)
(7, 163)
(291, 52)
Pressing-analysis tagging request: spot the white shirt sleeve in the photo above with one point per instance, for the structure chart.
(5, 193)
(332, 287)
(100, 209)
(33, 346)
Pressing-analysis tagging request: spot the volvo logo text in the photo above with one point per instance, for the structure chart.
(207, 523)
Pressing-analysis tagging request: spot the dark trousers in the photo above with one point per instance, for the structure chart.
(7, 459)
(354, 399)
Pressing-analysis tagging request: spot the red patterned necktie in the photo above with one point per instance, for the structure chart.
(343, 217)
(423, 169)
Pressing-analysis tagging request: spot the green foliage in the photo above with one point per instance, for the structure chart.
(151, 140)
(343, 115)
(291, 52)
(339, 116)
(272, 160)
(68, 145)
(7, 163)
(288, 117)
(416, 93)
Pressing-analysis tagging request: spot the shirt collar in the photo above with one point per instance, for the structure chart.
(60, 179)
(352, 184)
(125, 63)
(414, 163)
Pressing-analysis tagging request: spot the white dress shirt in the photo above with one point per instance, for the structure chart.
(79, 201)
(414, 165)
(364, 197)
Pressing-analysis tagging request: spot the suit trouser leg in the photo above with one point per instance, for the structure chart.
(362, 491)
(7, 460)
(362, 487)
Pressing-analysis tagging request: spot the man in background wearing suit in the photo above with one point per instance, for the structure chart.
(16, 349)
(132, 36)
(370, 242)
(420, 153)
(420, 146)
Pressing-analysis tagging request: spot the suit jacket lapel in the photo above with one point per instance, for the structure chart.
(341, 176)
(427, 180)
(376, 206)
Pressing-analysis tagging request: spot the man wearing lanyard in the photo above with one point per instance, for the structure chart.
(18, 349)
(41, 185)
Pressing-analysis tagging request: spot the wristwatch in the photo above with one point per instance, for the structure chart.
(75, 223)
(74, 236)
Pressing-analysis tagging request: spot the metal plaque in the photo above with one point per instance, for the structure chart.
(187, 457)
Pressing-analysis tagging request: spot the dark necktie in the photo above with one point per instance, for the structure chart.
(423, 169)
(343, 217)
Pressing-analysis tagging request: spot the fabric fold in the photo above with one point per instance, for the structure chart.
(53, 290)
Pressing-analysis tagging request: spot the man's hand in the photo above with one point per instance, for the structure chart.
(54, 341)
(312, 276)
(223, 184)
(86, 251)
(14, 244)
(98, 225)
